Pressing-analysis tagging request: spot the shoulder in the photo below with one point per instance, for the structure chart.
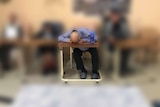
(123, 20)
(81, 29)
(106, 19)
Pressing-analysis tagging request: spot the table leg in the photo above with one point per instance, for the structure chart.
(62, 72)
(116, 64)
(28, 59)
(61, 62)
(1, 71)
(71, 57)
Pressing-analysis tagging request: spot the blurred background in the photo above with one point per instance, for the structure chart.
(144, 13)
(37, 61)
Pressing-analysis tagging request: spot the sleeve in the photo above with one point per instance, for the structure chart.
(107, 30)
(87, 39)
(65, 37)
(38, 35)
(3, 33)
(126, 30)
(20, 31)
(86, 34)
(96, 37)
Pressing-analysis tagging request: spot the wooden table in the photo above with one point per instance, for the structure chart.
(132, 43)
(127, 44)
(28, 46)
(10, 42)
(33, 44)
(42, 42)
(87, 45)
(62, 45)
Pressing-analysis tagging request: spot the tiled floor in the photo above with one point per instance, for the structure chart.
(146, 79)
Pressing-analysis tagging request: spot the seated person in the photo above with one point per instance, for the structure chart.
(12, 31)
(115, 27)
(80, 35)
(47, 52)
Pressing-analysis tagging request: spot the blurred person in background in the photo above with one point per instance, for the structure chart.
(115, 27)
(12, 32)
(80, 35)
(47, 52)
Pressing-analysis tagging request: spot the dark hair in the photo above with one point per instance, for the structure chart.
(116, 11)
(74, 31)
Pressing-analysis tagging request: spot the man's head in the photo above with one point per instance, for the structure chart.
(75, 37)
(115, 15)
(13, 18)
(47, 28)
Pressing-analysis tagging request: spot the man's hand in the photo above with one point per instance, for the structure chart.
(112, 40)
(81, 41)
(69, 41)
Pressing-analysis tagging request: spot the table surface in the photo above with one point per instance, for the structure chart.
(30, 42)
(80, 96)
(43, 42)
(131, 43)
(63, 45)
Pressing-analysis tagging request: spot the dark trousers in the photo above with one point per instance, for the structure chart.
(124, 57)
(46, 49)
(94, 55)
(4, 56)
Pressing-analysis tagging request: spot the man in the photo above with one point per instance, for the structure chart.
(115, 28)
(46, 31)
(78, 36)
(47, 52)
(12, 31)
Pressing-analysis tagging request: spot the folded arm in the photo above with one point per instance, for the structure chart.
(87, 39)
(65, 37)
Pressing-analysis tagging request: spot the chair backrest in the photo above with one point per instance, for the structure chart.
(57, 28)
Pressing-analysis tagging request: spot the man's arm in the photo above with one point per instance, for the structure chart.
(65, 37)
(87, 39)
(3, 33)
(39, 35)
(87, 34)
(126, 30)
(107, 30)
(20, 32)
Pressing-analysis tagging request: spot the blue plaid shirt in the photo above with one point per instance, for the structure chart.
(84, 35)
